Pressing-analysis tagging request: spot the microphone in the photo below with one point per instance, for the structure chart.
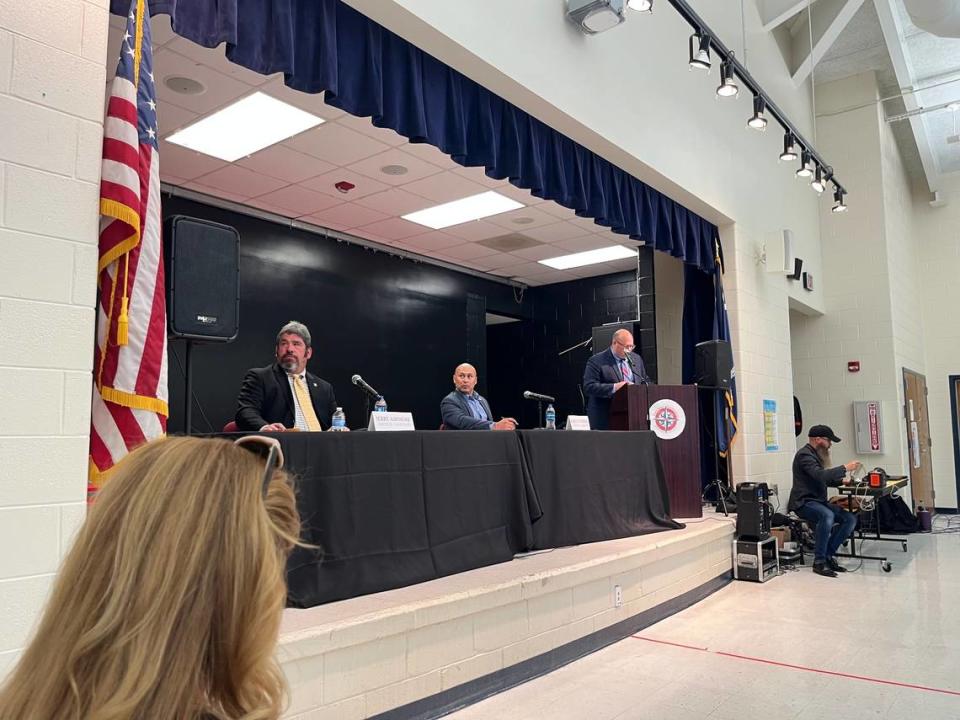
(363, 385)
(633, 368)
(527, 395)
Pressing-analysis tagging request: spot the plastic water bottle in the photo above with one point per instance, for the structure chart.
(551, 418)
(339, 421)
(380, 405)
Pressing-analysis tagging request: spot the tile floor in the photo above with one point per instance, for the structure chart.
(890, 630)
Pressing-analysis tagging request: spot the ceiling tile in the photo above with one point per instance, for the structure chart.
(468, 251)
(240, 181)
(348, 215)
(541, 252)
(416, 168)
(395, 202)
(336, 144)
(587, 242)
(510, 219)
(434, 241)
(281, 162)
(219, 89)
(299, 199)
(311, 102)
(275, 209)
(557, 210)
(553, 232)
(518, 194)
(478, 176)
(524, 269)
(589, 224)
(492, 262)
(185, 163)
(173, 117)
(172, 179)
(433, 155)
(216, 192)
(363, 186)
(474, 230)
(444, 187)
(365, 126)
(214, 58)
(393, 229)
(160, 31)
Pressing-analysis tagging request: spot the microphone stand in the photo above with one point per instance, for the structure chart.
(366, 408)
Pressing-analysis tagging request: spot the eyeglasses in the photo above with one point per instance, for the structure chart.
(267, 448)
(628, 348)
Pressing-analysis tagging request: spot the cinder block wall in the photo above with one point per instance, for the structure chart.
(51, 105)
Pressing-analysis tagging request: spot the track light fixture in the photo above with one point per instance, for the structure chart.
(817, 182)
(757, 121)
(838, 199)
(789, 147)
(699, 51)
(645, 6)
(806, 167)
(728, 86)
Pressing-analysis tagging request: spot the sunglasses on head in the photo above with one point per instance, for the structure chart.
(269, 449)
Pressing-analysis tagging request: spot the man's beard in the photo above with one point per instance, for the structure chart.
(289, 364)
(824, 455)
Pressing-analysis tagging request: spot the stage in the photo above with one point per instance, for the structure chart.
(426, 649)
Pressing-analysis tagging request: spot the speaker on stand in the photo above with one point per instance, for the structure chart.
(713, 372)
(202, 264)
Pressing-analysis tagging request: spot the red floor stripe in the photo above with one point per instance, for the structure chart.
(801, 667)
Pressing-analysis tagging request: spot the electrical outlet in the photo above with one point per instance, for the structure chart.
(617, 596)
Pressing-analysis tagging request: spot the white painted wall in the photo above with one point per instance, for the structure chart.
(938, 230)
(51, 101)
(628, 95)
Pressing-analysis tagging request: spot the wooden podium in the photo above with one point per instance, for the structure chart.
(629, 410)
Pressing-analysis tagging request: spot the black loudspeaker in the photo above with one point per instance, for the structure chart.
(203, 279)
(753, 511)
(713, 364)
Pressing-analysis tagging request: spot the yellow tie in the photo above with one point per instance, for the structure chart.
(306, 405)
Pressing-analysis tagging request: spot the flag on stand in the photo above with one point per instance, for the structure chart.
(725, 401)
(130, 360)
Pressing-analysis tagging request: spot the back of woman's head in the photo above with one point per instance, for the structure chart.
(168, 605)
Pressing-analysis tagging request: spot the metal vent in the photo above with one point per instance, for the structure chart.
(509, 243)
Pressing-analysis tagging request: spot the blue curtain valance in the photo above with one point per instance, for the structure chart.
(368, 71)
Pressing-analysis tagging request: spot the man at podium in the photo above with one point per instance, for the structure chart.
(607, 372)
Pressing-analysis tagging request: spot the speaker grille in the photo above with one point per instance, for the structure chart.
(203, 287)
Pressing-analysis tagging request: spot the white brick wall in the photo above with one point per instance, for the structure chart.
(51, 99)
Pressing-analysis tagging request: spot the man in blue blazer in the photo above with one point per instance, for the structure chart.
(607, 372)
(466, 409)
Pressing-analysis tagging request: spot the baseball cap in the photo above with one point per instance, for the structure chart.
(823, 431)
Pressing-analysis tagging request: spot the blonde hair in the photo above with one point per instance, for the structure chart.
(169, 603)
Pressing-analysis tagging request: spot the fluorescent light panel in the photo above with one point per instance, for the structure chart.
(590, 257)
(463, 210)
(253, 123)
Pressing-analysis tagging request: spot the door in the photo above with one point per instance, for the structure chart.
(918, 438)
(955, 415)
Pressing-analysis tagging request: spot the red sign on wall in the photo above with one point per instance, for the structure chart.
(873, 423)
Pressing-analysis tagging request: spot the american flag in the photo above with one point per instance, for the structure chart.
(130, 362)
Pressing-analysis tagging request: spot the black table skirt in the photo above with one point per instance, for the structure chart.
(596, 486)
(386, 510)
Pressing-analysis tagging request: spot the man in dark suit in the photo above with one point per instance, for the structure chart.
(284, 395)
(466, 409)
(607, 372)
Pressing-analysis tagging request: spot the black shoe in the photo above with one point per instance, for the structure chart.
(835, 566)
(821, 569)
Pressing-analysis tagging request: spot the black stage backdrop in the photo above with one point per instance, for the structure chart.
(403, 325)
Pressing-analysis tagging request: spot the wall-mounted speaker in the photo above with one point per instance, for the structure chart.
(203, 279)
(713, 364)
(797, 269)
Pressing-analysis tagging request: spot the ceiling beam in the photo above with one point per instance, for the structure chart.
(774, 13)
(903, 68)
(831, 17)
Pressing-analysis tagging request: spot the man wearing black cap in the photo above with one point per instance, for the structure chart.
(808, 498)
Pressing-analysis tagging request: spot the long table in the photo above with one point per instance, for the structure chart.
(387, 510)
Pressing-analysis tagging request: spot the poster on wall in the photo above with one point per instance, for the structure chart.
(771, 430)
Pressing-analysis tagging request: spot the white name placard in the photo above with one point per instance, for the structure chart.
(390, 421)
(578, 422)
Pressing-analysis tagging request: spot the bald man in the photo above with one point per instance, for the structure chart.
(466, 409)
(607, 372)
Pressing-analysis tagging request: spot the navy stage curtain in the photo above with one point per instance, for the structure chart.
(365, 70)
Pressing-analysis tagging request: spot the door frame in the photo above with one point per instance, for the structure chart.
(954, 386)
(904, 370)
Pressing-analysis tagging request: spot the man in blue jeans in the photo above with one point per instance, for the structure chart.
(808, 498)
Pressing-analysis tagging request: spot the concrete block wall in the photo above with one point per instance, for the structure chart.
(938, 230)
(363, 666)
(51, 103)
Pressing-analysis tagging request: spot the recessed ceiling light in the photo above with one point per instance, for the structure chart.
(394, 170)
(253, 123)
(590, 257)
(184, 85)
(469, 208)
